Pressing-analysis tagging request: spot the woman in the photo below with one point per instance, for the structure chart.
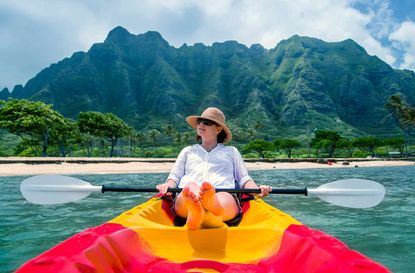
(201, 168)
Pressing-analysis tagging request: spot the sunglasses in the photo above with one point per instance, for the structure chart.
(206, 122)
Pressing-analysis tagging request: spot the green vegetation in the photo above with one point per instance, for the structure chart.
(326, 140)
(34, 122)
(34, 129)
(326, 147)
(8, 143)
(107, 126)
(287, 145)
(259, 146)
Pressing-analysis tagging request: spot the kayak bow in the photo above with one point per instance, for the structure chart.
(144, 239)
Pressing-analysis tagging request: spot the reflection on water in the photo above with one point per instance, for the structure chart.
(385, 233)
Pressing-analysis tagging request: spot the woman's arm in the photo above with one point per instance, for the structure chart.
(176, 173)
(242, 176)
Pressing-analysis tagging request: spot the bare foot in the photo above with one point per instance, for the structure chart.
(195, 211)
(209, 200)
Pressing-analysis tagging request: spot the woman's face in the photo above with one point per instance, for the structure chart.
(207, 129)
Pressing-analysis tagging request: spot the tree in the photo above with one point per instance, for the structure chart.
(327, 140)
(259, 146)
(187, 136)
(287, 145)
(169, 130)
(368, 143)
(403, 113)
(154, 134)
(344, 143)
(139, 138)
(64, 135)
(86, 143)
(136, 139)
(397, 143)
(33, 121)
(107, 126)
(178, 138)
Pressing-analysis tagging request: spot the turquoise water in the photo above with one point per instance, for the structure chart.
(385, 233)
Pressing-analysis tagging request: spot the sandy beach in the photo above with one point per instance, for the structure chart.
(36, 166)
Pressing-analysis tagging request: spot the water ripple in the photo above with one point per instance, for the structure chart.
(385, 233)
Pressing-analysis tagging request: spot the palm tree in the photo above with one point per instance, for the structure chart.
(154, 134)
(397, 108)
(178, 138)
(403, 113)
(169, 131)
(139, 137)
(136, 138)
(187, 136)
(408, 119)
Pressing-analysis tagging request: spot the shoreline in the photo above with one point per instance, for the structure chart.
(15, 166)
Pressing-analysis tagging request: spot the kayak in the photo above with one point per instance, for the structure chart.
(144, 239)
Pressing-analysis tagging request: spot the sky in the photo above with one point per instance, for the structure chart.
(36, 33)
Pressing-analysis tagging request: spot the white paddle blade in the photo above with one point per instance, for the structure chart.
(351, 193)
(55, 189)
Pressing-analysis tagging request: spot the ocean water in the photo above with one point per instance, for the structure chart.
(385, 233)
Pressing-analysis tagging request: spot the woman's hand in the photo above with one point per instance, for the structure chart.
(265, 190)
(163, 188)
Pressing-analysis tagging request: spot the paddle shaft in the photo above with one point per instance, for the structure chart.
(59, 189)
(176, 190)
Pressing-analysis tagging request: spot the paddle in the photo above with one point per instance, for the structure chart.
(58, 189)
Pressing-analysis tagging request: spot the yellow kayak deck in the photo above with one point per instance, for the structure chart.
(257, 236)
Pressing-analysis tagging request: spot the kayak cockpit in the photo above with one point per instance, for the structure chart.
(258, 235)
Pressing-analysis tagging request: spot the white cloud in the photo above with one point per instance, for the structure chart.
(404, 38)
(382, 21)
(35, 34)
(267, 22)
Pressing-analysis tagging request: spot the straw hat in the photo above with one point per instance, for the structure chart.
(213, 114)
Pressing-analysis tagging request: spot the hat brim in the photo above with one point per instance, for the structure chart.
(192, 121)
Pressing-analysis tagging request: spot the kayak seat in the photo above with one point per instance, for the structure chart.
(178, 221)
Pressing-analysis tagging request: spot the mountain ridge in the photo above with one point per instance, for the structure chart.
(301, 84)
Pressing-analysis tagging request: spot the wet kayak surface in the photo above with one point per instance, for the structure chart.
(382, 233)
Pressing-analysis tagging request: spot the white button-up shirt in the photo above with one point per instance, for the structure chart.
(221, 167)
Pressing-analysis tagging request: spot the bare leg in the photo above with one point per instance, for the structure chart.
(230, 210)
(220, 204)
(229, 204)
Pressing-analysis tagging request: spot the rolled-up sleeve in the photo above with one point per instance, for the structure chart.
(177, 171)
(241, 173)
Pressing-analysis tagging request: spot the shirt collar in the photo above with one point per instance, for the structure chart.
(218, 147)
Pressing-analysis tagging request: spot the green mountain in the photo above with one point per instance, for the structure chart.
(301, 84)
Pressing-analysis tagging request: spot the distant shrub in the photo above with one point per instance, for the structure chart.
(29, 152)
(161, 152)
(360, 154)
(271, 154)
(251, 155)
